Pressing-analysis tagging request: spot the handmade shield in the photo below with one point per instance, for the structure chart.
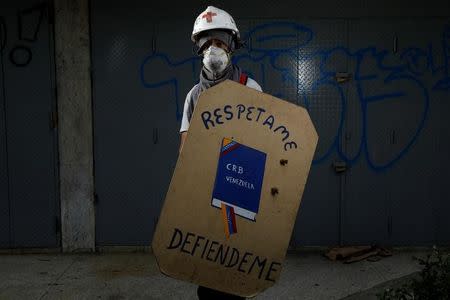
(233, 199)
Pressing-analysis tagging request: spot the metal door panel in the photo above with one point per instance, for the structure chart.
(4, 199)
(31, 140)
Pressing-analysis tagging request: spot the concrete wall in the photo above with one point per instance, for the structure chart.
(73, 81)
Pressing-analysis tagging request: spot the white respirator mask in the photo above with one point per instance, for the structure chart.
(216, 60)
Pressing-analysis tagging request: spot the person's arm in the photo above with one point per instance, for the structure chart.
(182, 139)
(251, 83)
(185, 120)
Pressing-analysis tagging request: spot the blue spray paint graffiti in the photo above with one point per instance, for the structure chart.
(265, 59)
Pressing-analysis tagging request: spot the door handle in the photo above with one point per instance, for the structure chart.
(340, 166)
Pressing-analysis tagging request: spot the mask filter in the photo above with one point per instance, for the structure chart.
(216, 60)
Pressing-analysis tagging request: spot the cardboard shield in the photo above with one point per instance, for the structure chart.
(233, 199)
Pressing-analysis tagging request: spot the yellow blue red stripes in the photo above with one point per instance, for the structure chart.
(229, 219)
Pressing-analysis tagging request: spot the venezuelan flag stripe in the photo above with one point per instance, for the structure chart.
(229, 149)
(233, 220)
(227, 146)
(225, 219)
(229, 219)
(226, 141)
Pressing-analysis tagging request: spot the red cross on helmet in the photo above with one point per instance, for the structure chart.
(214, 18)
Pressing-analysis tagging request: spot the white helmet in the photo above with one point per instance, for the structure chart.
(214, 18)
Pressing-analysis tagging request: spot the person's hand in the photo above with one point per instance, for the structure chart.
(182, 139)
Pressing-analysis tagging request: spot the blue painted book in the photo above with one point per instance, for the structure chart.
(239, 178)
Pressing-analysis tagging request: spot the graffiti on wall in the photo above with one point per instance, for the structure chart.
(285, 57)
(28, 22)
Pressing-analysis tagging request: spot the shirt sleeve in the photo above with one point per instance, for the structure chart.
(185, 121)
(253, 84)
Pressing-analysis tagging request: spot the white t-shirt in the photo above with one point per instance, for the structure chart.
(188, 108)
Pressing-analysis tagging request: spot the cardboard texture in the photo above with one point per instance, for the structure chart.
(233, 199)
